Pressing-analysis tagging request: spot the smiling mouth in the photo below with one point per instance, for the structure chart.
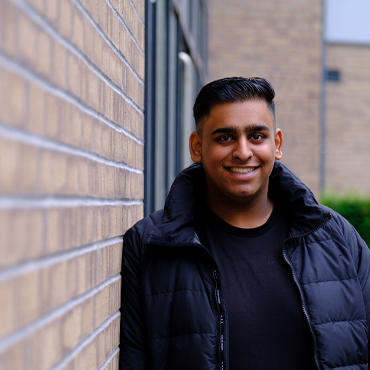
(241, 170)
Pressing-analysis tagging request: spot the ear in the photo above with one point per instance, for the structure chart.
(278, 144)
(195, 147)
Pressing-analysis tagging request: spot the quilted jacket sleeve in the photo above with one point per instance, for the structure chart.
(133, 348)
(363, 263)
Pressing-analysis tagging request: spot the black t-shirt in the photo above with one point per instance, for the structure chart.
(267, 326)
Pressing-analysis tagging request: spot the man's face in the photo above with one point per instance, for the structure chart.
(238, 146)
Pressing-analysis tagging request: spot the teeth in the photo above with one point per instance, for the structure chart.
(242, 170)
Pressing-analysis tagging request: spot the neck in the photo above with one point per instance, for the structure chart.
(246, 215)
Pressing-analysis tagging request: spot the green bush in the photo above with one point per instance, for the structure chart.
(354, 208)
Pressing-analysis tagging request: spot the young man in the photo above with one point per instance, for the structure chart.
(242, 269)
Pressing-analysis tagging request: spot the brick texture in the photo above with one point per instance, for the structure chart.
(71, 176)
(281, 42)
(348, 119)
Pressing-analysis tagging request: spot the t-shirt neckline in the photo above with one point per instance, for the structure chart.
(216, 222)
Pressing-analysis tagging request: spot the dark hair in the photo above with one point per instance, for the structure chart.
(230, 90)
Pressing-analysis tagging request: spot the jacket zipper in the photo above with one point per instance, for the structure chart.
(217, 299)
(300, 289)
(221, 320)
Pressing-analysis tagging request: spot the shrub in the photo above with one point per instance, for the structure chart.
(354, 208)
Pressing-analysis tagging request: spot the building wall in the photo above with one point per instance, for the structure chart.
(71, 176)
(281, 42)
(348, 119)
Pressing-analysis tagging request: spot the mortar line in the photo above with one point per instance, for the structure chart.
(137, 13)
(31, 76)
(25, 202)
(121, 19)
(117, 51)
(52, 30)
(15, 134)
(108, 40)
(85, 342)
(38, 19)
(109, 358)
(13, 271)
(22, 333)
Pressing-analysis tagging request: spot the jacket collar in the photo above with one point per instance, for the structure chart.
(285, 188)
(296, 200)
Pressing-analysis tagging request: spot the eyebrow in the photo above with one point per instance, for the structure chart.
(225, 130)
(234, 130)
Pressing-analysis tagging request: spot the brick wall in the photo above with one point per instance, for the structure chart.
(71, 176)
(280, 41)
(348, 119)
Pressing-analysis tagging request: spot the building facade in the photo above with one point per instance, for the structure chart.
(316, 55)
(347, 108)
(347, 118)
(95, 113)
(71, 176)
(282, 43)
(176, 69)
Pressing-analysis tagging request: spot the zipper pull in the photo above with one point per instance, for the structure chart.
(218, 296)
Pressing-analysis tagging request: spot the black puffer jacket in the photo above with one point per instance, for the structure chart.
(172, 304)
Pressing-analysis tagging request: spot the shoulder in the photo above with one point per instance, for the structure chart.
(137, 235)
(338, 226)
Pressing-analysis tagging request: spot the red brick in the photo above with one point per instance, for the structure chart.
(28, 298)
(115, 257)
(27, 36)
(17, 100)
(100, 347)
(96, 136)
(14, 358)
(45, 347)
(52, 11)
(78, 29)
(74, 73)
(8, 28)
(52, 230)
(103, 9)
(108, 340)
(71, 327)
(7, 312)
(45, 290)
(44, 56)
(93, 91)
(36, 111)
(51, 109)
(106, 141)
(65, 16)
(75, 124)
(87, 122)
(87, 316)
(58, 282)
(72, 276)
(83, 177)
(60, 65)
(90, 356)
(35, 232)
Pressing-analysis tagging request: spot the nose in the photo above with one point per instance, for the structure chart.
(243, 150)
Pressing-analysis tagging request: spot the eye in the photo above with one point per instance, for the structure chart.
(224, 138)
(257, 137)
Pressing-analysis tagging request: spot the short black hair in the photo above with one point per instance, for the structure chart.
(231, 90)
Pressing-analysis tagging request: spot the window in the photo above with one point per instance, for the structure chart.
(332, 75)
(176, 60)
